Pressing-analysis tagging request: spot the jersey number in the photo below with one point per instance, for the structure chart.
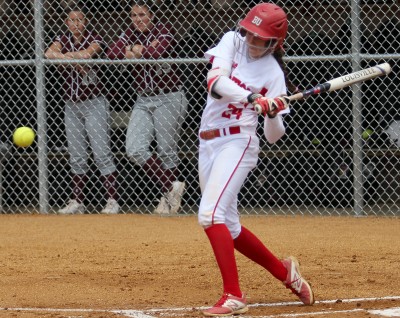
(232, 111)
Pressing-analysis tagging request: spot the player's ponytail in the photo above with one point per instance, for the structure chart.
(278, 54)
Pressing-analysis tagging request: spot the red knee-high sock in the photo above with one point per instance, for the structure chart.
(110, 184)
(222, 245)
(251, 247)
(78, 184)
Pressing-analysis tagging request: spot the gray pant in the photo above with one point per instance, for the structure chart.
(158, 117)
(88, 122)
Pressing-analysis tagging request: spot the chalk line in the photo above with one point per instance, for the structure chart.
(148, 313)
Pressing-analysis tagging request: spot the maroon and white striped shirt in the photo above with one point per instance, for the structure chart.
(150, 77)
(81, 86)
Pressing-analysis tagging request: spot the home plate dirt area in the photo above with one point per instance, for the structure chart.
(144, 266)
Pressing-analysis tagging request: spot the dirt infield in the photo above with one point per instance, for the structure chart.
(89, 265)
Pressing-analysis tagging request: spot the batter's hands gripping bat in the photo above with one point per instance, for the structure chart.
(340, 82)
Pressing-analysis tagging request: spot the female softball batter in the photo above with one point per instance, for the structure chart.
(161, 104)
(86, 111)
(247, 71)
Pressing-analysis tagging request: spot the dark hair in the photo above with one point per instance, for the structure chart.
(279, 58)
(150, 5)
(76, 7)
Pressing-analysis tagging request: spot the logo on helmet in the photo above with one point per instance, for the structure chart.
(256, 20)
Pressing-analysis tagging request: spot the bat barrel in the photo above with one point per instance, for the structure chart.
(359, 76)
(342, 82)
(385, 68)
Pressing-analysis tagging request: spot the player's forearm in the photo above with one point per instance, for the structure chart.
(220, 85)
(225, 87)
(274, 128)
(158, 49)
(133, 51)
(83, 54)
(52, 54)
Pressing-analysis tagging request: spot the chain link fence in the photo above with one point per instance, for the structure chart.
(341, 151)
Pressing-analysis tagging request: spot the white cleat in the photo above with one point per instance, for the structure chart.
(112, 207)
(174, 197)
(228, 305)
(296, 283)
(163, 207)
(73, 207)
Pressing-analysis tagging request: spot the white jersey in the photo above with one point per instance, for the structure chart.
(262, 75)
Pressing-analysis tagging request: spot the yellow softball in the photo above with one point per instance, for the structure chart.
(23, 136)
(367, 133)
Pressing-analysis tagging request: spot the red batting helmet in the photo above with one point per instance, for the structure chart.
(266, 21)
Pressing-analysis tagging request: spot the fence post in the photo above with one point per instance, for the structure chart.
(41, 108)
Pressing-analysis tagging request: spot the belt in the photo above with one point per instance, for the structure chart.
(214, 133)
(157, 91)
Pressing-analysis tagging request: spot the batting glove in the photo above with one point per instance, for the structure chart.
(268, 106)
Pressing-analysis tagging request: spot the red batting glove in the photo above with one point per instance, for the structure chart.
(268, 106)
